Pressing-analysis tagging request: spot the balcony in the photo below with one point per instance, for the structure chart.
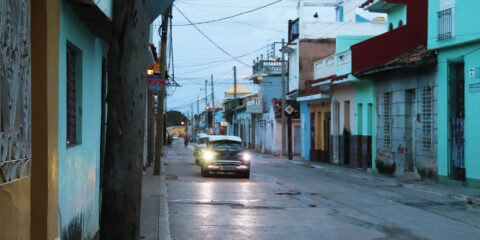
(324, 67)
(344, 60)
(269, 67)
(254, 105)
(445, 24)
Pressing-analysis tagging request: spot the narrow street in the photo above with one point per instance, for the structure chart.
(283, 200)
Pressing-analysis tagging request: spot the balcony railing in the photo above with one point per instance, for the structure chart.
(269, 67)
(445, 24)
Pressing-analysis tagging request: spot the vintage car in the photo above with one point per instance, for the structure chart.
(202, 141)
(225, 154)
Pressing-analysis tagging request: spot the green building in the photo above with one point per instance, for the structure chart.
(453, 34)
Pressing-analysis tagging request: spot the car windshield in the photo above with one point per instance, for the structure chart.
(225, 144)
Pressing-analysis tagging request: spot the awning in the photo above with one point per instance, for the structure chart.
(319, 96)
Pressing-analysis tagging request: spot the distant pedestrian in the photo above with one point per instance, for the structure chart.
(186, 140)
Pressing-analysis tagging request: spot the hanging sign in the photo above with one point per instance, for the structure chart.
(155, 82)
(289, 109)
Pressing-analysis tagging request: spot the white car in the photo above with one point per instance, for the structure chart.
(225, 154)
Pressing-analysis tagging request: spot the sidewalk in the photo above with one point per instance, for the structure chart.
(154, 222)
(461, 193)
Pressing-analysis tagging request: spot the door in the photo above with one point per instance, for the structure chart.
(346, 133)
(296, 141)
(456, 100)
(326, 137)
(410, 126)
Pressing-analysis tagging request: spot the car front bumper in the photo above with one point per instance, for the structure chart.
(227, 166)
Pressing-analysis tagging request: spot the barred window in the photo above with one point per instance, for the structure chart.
(426, 119)
(387, 119)
(73, 94)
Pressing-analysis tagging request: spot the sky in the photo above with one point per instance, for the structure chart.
(196, 59)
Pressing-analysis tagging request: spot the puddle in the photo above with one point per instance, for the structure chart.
(172, 177)
(259, 207)
(294, 193)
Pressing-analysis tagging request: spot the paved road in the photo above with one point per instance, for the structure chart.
(282, 200)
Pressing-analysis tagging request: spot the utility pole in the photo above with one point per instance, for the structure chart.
(165, 122)
(198, 112)
(235, 82)
(192, 119)
(213, 106)
(235, 126)
(161, 95)
(284, 130)
(206, 109)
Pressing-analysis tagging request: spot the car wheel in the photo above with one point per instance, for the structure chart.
(205, 172)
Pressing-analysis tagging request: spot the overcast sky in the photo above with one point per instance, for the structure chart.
(195, 58)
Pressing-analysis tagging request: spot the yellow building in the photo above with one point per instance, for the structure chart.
(177, 130)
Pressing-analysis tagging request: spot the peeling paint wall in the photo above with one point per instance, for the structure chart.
(79, 165)
(15, 119)
(406, 153)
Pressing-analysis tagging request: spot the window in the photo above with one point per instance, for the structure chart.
(387, 119)
(446, 24)
(426, 120)
(74, 97)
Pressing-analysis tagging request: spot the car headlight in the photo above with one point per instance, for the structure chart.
(246, 157)
(208, 155)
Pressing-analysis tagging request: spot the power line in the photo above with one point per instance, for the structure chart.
(215, 44)
(224, 18)
(236, 21)
(223, 60)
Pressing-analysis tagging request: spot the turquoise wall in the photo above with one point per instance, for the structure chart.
(365, 95)
(79, 166)
(305, 112)
(471, 54)
(466, 23)
(343, 43)
(396, 15)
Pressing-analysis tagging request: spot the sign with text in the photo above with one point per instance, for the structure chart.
(155, 82)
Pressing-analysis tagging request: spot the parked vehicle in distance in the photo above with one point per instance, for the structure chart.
(225, 154)
(202, 141)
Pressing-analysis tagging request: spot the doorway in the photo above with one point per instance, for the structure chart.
(326, 137)
(410, 125)
(296, 140)
(456, 116)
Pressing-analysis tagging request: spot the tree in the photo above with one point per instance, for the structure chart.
(175, 118)
(120, 217)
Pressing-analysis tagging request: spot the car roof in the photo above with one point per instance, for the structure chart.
(224, 138)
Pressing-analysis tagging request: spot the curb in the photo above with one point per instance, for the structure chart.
(460, 197)
(163, 219)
